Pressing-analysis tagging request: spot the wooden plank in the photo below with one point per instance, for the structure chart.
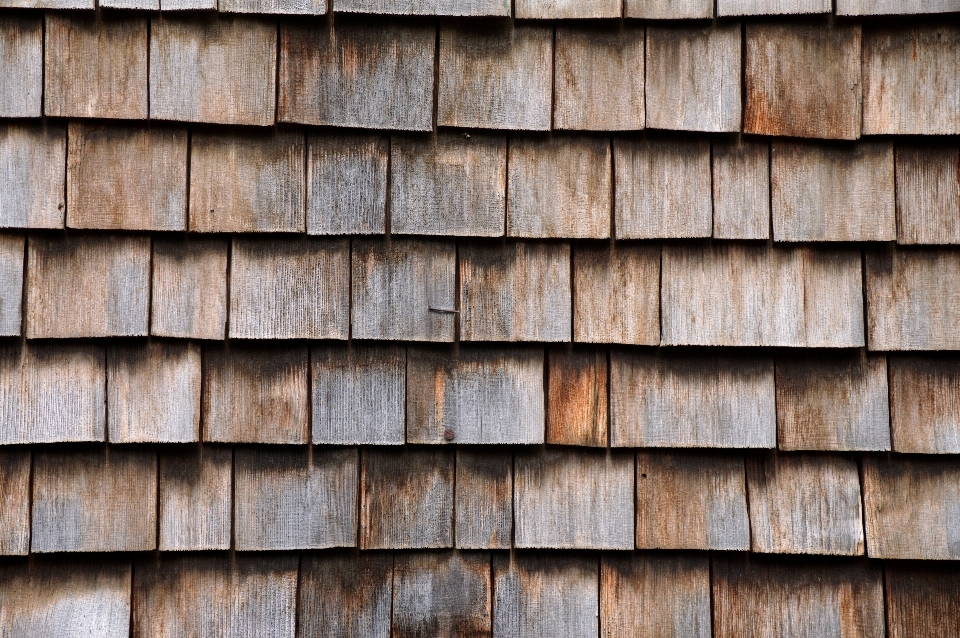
(196, 485)
(895, 7)
(691, 401)
(832, 401)
(773, 7)
(21, 66)
(475, 395)
(287, 7)
(425, 7)
(99, 501)
(922, 600)
(515, 292)
(741, 189)
(51, 393)
(567, 9)
(693, 78)
(359, 394)
(925, 404)
(11, 283)
(574, 499)
(599, 78)
(189, 293)
(448, 184)
(186, 5)
(441, 594)
(15, 501)
(295, 498)
(484, 499)
(781, 98)
(130, 4)
(928, 194)
(290, 289)
(32, 161)
(95, 65)
(346, 595)
(406, 498)
(654, 595)
(662, 188)
(495, 75)
(577, 397)
(559, 187)
(347, 184)
(667, 9)
(219, 69)
(255, 395)
(761, 295)
(691, 500)
(153, 392)
(403, 289)
(358, 73)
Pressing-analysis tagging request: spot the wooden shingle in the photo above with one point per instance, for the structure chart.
(928, 193)
(773, 7)
(11, 283)
(567, 9)
(925, 404)
(15, 502)
(196, 488)
(497, 75)
(347, 184)
(577, 397)
(21, 65)
(288, 7)
(515, 292)
(667, 9)
(741, 189)
(346, 594)
(922, 600)
(425, 7)
(484, 499)
(32, 171)
(895, 7)
(186, 5)
(189, 293)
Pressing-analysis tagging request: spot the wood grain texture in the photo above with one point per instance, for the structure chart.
(347, 184)
(11, 283)
(577, 397)
(691, 500)
(662, 188)
(425, 7)
(153, 5)
(515, 292)
(186, 5)
(189, 293)
(290, 289)
(406, 498)
(442, 594)
(667, 9)
(646, 595)
(574, 499)
(295, 498)
(87, 286)
(346, 595)
(761, 295)
(913, 302)
(32, 171)
(448, 184)
(691, 401)
(928, 193)
(255, 395)
(21, 66)
(693, 78)
(567, 9)
(599, 78)
(15, 502)
(358, 73)
(403, 289)
(616, 294)
(925, 404)
(219, 69)
(803, 80)
(741, 189)
(773, 7)
(922, 600)
(895, 7)
(484, 499)
(126, 177)
(51, 393)
(495, 75)
(490, 396)
(288, 7)
(98, 501)
(832, 401)
(196, 488)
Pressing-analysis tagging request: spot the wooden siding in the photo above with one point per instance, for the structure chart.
(189, 288)
(347, 184)
(195, 498)
(21, 66)
(741, 189)
(773, 7)
(925, 404)
(15, 466)
(577, 397)
(32, 160)
(12, 246)
(484, 499)
(928, 193)
(346, 595)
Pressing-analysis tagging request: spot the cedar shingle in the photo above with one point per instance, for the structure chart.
(14, 502)
(567, 9)
(895, 7)
(577, 397)
(425, 7)
(32, 171)
(189, 294)
(296, 7)
(772, 7)
(11, 283)
(346, 594)
(922, 600)
(21, 65)
(484, 499)
(196, 490)
(741, 189)
(925, 404)
(928, 193)
(668, 9)
(347, 184)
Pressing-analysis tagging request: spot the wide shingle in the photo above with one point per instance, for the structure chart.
(346, 594)
(567, 9)
(922, 599)
(668, 9)
(895, 7)
(425, 7)
(772, 7)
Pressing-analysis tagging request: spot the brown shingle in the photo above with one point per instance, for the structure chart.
(21, 66)
(925, 404)
(11, 283)
(346, 594)
(15, 466)
(33, 174)
(189, 294)
(577, 397)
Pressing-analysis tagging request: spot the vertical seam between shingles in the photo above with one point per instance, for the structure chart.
(299, 593)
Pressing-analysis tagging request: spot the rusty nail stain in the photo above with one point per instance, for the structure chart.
(448, 435)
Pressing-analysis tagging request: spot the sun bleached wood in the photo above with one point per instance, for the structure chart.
(773, 7)
(347, 184)
(32, 171)
(196, 486)
(925, 404)
(577, 397)
(495, 76)
(15, 502)
(11, 283)
(741, 189)
(287, 7)
(515, 292)
(928, 193)
(21, 66)
(922, 599)
(484, 499)
(346, 594)
(187, 5)
(895, 7)
(667, 9)
(425, 7)
(189, 294)
(567, 9)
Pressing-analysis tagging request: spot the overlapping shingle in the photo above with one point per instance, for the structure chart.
(928, 196)
(347, 184)
(32, 161)
(578, 388)
(483, 498)
(15, 497)
(21, 66)
(189, 288)
(195, 498)
(925, 404)
(741, 189)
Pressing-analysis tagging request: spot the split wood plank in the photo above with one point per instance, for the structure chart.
(290, 289)
(32, 161)
(287, 7)
(406, 498)
(347, 184)
(14, 502)
(475, 395)
(448, 184)
(126, 177)
(189, 294)
(668, 9)
(599, 78)
(645, 595)
(925, 404)
(741, 189)
(573, 498)
(153, 393)
(773, 7)
(498, 75)
(691, 500)
(834, 401)
(515, 292)
(803, 80)
(358, 73)
(693, 78)
(484, 499)
(425, 7)
(12, 246)
(100, 501)
(691, 401)
(895, 7)
(196, 490)
(95, 65)
(87, 286)
(255, 395)
(928, 194)
(577, 397)
(219, 69)
(295, 498)
(21, 66)
(662, 188)
(403, 289)
(922, 600)
(346, 595)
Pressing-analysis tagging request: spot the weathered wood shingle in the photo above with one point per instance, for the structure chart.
(668, 9)
(928, 193)
(577, 397)
(195, 498)
(925, 404)
(895, 7)
(21, 66)
(189, 294)
(15, 466)
(484, 499)
(425, 7)
(12, 246)
(347, 184)
(32, 171)
(567, 9)
(772, 7)
(346, 594)
(922, 599)
(288, 7)
(741, 189)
